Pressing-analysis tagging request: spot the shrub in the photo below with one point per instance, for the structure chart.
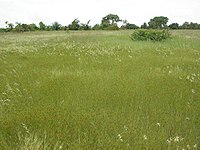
(150, 35)
(112, 27)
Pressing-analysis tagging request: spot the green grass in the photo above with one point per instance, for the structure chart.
(99, 90)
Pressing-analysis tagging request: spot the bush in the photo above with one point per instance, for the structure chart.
(112, 27)
(150, 35)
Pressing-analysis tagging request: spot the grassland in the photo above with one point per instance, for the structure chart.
(99, 90)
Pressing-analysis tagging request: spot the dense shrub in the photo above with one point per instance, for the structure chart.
(150, 35)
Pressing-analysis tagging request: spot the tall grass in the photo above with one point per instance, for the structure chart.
(99, 90)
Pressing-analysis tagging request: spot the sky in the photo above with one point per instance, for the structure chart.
(65, 11)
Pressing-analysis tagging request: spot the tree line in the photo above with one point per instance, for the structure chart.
(109, 22)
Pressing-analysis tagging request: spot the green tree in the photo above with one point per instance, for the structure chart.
(185, 25)
(42, 26)
(158, 22)
(85, 26)
(174, 26)
(32, 27)
(9, 26)
(194, 25)
(56, 26)
(19, 27)
(144, 26)
(110, 22)
(74, 25)
(127, 25)
(96, 27)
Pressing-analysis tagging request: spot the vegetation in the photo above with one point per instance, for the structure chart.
(158, 23)
(150, 35)
(109, 22)
(99, 90)
(127, 25)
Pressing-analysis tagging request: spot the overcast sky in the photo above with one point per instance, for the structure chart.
(65, 11)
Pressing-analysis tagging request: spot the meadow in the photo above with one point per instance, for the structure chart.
(99, 90)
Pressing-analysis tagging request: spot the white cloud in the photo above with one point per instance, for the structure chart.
(64, 11)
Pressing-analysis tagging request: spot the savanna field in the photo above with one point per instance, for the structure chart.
(99, 90)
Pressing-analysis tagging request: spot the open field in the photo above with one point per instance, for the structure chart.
(99, 90)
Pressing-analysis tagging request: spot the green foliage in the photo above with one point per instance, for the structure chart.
(174, 26)
(129, 26)
(112, 27)
(158, 22)
(9, 26)
(2, 30)
(150, 35)
(97, 27)
(42, 26)
(111, 19)
(85, 26)
(56, 26)
(109, 22)
(75, 25)
(144, 26)
(25, 27)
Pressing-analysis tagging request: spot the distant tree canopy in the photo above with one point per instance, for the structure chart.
(109, 22)
(25, 27)
(174, 26)
(85, 26)
(158, 22)
(56, 26)
(74, 25)
(127, 25)
(144, 26)
(42, 26)
(9, 26)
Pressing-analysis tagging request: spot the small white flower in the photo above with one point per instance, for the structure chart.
(126, 128)
(176, 139)
(130, 56)
(158, 124)
(187, 118)
(193, 91)
(145, 137)
(188, 146)
(120, 137)
(195, 145)
(168, 141)
(60, 147)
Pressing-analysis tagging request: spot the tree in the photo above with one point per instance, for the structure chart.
(56, 26)
(127, 25)
(110, 22)
(96, 27)
(194, 25)
(19, 27)
(111, 18)
(32, 27)
(144, 26)
(158, 22)
(174, 26)
(9, 26)
(42, 26)
(74, 25)
(85, 26)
